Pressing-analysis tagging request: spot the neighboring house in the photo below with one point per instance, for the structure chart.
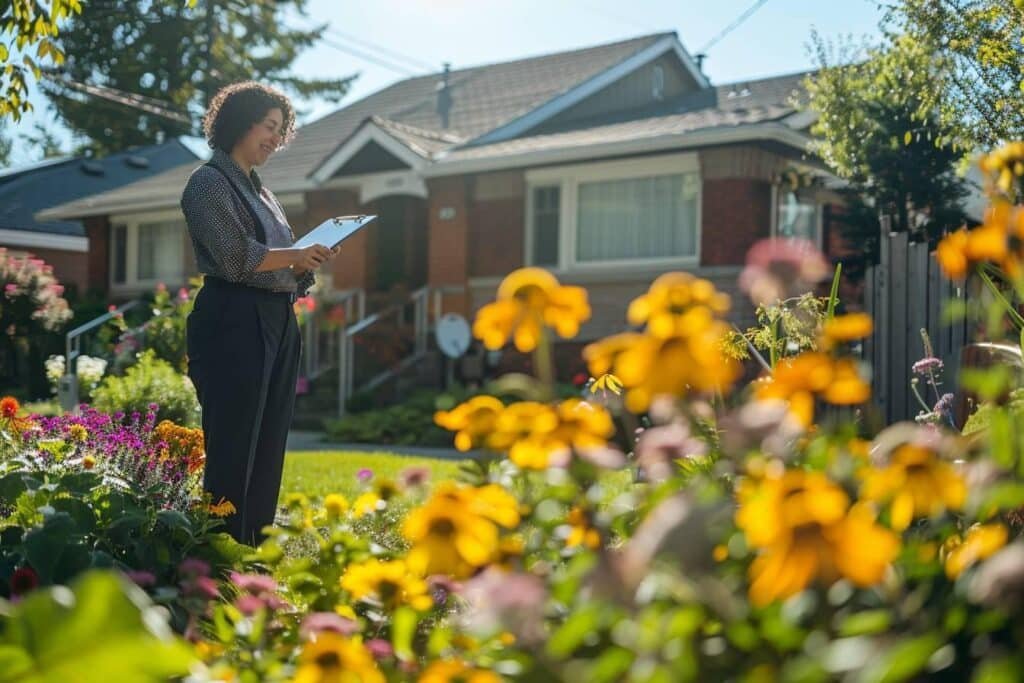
(62, 242)
(607, 165)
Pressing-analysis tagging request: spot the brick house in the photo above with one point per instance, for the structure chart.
(62, 243)
(607, 165)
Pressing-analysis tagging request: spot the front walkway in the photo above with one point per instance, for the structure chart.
(301, 440)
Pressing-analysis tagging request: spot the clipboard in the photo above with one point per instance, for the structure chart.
(332, 231)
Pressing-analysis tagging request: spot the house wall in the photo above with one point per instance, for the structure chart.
(97, 229)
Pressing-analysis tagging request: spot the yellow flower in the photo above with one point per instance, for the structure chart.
(982, 541)
(580, 531)
(607, 382)
(222, 509)
(850, 327)
(528, 300)
(917, 483)
(366, 504)
(951, 254)
(472, 421)
(78, 433)
(88, 462)
(336, 505)
(675, 303)
(797, 380)
(538, 436)
(455, 671)
(346, 611)
(456, 530)
(803, 528)
(333, 658)
(390, 584)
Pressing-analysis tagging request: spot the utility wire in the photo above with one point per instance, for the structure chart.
(387, 52)
(368, 57)
(127, 99)
(732, 26)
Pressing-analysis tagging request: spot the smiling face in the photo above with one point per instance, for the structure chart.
(263, 139)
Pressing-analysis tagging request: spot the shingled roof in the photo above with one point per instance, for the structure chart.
(486, 99)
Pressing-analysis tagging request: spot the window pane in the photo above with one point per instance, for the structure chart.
(797, 218)
(638, 218)
(120, 253)
(546, 207)
(161, 250)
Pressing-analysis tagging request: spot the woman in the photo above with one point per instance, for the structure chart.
(243, 339)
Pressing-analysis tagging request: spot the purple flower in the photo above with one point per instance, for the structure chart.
(945, 404)
(925, 366)
(416, 475)
(364, 475)
(202, 586)
(249, 604)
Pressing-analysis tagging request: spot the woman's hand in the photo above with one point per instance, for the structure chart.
(312, 257)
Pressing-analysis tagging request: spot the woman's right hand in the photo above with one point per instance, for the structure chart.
(311, 257)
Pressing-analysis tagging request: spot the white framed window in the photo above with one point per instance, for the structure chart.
(797, 216)
(615, 215)
(147, 249)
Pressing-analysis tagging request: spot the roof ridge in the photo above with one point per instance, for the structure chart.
(416, 130)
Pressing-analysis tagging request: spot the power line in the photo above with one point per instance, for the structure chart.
(394, 54)
(368, 57)
(732, 26)
(127, 99)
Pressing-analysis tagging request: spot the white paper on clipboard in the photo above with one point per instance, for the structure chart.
(332, 231)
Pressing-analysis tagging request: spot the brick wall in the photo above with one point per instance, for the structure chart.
(735, 213)
(71, 268)
(448, 231)
(97, 229)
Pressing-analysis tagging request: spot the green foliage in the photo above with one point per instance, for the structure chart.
(980, 43)
(24, 25)
(319, 473)
(99, 629)
(877, 130)
(150, 380)
(179, 56)
(783, 329)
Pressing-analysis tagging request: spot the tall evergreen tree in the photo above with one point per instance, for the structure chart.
(164, 60)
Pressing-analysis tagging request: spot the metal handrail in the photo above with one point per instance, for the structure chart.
(68, 386)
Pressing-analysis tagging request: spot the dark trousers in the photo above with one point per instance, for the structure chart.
(243, 350)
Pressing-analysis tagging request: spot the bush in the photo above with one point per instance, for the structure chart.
(150, 380)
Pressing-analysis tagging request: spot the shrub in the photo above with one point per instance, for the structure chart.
(151, 380)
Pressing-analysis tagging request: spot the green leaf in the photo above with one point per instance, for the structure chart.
(580, 624)
(908, 138)
(175, 520)
(865, 623)
(44, 545)
(905, 660)
(101, 629)
(612, 665)
(1000, 670)
(403, 628)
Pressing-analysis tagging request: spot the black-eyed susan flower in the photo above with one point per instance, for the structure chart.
(675, 304)
(389, 584)
(980, 541)
(605, 383)
(456, 530)
(367, 503)
(333, 658)
(472, 421)
(916, 483)
(529, 300)
(456, 671)
(803, 528)
(223, 508)
(798, 380)
(335, 505)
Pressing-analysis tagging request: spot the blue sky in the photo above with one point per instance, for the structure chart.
(771, 41)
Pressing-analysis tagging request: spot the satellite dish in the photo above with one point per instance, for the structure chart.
(452, 335)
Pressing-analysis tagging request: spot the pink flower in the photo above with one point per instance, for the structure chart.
(253, 583)
(414, 476)
(327, 621)
(249, 604)
(778, 269)
(379, 648)
(193, 566)
(364, 475)
(183, 294)
(143, 579)
(161, 287)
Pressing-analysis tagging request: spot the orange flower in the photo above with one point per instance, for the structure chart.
(845, 328)
(917, 483)
(9, 407)
(952, 254)
(222, 509)
(981, 541)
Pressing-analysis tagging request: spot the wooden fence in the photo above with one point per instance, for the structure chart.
(905, 293)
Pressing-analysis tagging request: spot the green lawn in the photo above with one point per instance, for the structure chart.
(317, 473)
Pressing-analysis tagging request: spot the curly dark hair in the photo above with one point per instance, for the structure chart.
(238, 107)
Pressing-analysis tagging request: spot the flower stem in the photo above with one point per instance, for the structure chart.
(543, 360)
(1018, 321)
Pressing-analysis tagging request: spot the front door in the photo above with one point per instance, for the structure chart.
(401, 243)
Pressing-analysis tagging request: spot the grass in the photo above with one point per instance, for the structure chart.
(318, 473)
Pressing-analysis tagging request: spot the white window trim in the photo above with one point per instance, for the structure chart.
(819, 218)
(132, 283)
(568, 179)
